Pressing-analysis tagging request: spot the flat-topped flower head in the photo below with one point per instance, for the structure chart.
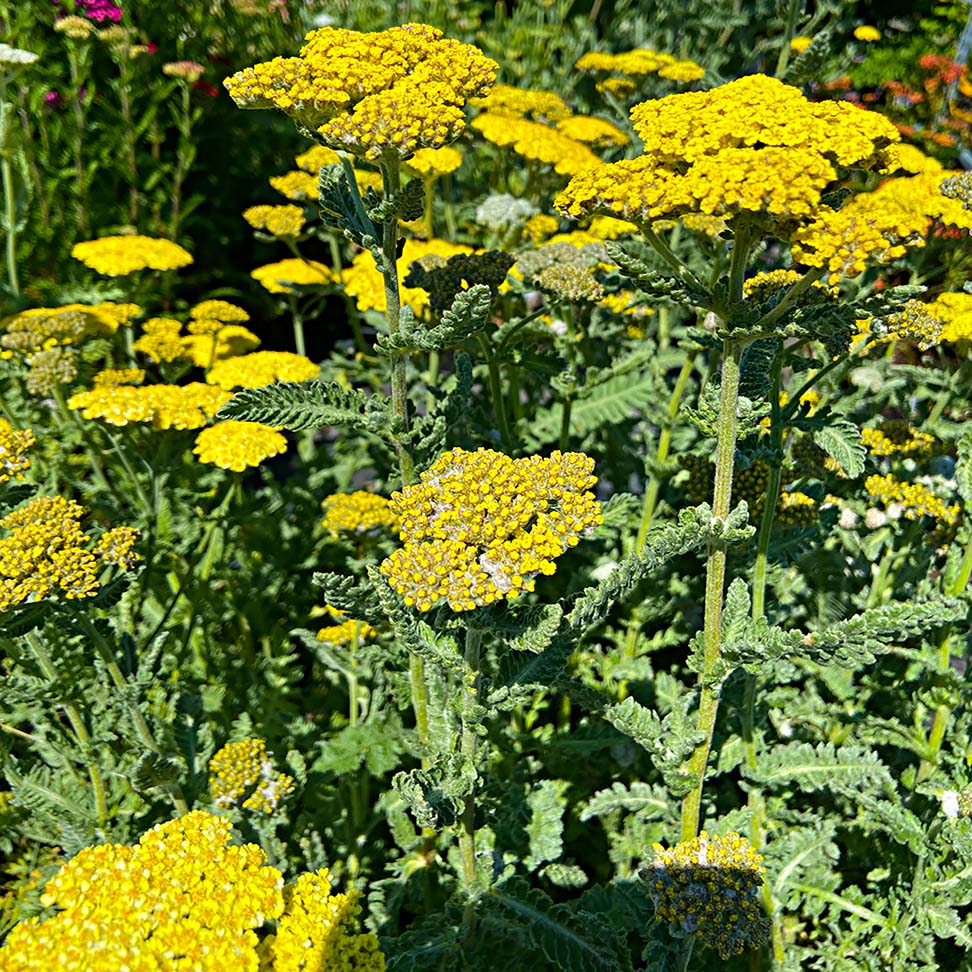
(14, 446)
(238, 446)
(504, 99)
(282, 276)
(261, 368)
(372, 94)
(118, 256)
(711, 888)
(286, 222)
(536, 141)
(358, 513)
(480, 526)
(755, 147)
(162, 406)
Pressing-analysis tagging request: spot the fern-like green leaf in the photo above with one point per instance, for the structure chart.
(841, 440)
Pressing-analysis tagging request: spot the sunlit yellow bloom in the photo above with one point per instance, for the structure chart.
(504, 99)
(219, 310)
(275, 277)
(867, 34)
(432, 161)
(241, 772)
(536, 141)
(163, 406)
(299, 186)
(14, 445)
(118, 256)
(592, 131)
(800, 44)
(315, 158)
(282, 221)
(261, 368)
(358, 512)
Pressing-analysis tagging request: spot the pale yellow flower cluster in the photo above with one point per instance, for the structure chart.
(386, 93)
(640, 62)
(357, 512)
(480, 526)
(14, 445)
(162, 406)
(278, 277)
(261, 368)
(118, 256)
(915, 499)
(536, 141)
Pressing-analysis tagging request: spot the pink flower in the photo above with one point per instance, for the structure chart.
(53, 99)
(99, 10)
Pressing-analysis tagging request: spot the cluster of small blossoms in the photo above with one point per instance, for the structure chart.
(897, 437)
(163, 406)
(358, 512)
(574, 284)
(183, 898)
(261, 368)
(640, 62)
(912, 500)
(432, 162)
(161, 339)
(769, 284)
(480, 526)
(40, 328)
(536, 141)
(219, 310)
(282, 276)
(878, 226)
(296, 186)
(118, 256)
(47, 552)
(505, 99)
(362, 281)
(954, 311)
(958, 186)
(386, 93)
(315, 158)
(50, 369)
(539, 228)
(119, 376)
(242, 772)
(956, 803)
(796, 509)
(286, 222)
(592, 131)
(319, 931)
(209, 340)
(237, 446)
(190, 71)
(710, 888)
(916, 322)
(347, 631)
(755, 145)
(14, 445)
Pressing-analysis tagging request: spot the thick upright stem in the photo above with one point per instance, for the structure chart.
(10, 215)
(715, 580)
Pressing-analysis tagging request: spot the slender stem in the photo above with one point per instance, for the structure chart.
(469, 718)
(298, 320)
(429, 183)
(664, 444)
(81, 733)
(496, 391)
(791, 17)
(138, 720)
(715, 578)
(10, 210)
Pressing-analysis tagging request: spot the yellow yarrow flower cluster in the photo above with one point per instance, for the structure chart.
(346, 633)
(480, 526)
(163, 406)
(277, 277)
(915, 499)
(219, 310)
(315, 158)
(536, 141)
(161, 339)
(539, 228)
(318, 931)
(183, 898)
(592, 131)
(391, 92)
(639, 62)
(209, 340)
(261, 368)
(119, 376)
(296, 186)
(237, 446)
(505, 99)
(954, 311)
(878, 226)
(754, 146)
(241, 772)
(711, 888)
(362, 281)
(910, 158)
(47, 552)
(435, 161)
(357, 512)
(117, 546)
(896, 437)
(283, 221)
(795, 508)
(14, 445)
(118, 256)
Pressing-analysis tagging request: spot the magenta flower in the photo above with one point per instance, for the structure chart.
(53, 99)
(97, 10)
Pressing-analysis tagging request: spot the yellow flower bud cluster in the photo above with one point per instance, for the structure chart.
(297, 186)
(536, 141)
(209, 340)
(118, 256)
(163, 406)
(241, 772)
(592, 131)
(276, 277)
(14, 445)
(219, 310)
(185, 899)
(896, 437)
(237, 446)
(119, 376)
(286, 222)
(362, 281)
(915, 499)
(796, 509)
(386, 93)
(39, 328)
(480, 526)
(315, 158)
(755, 145)
(357, 512)
(505, 99)
(954, 310)
(711, 888)
(261, 368)
(47, 552)
(346, 633)
(161, 339)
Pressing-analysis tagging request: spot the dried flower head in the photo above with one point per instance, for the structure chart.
(480, 526)
(710, 888)
(190, 71)
(77, 28)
